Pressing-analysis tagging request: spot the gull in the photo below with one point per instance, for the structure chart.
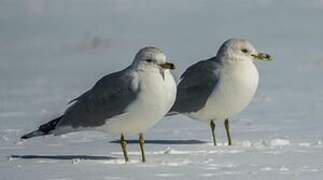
(128, 101)
(219, 87)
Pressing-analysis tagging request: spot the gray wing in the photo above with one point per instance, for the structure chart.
(109, 97)
(197, 84)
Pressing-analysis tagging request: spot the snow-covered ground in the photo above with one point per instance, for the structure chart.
(51, 51)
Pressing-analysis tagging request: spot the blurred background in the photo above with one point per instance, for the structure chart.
(52, 51)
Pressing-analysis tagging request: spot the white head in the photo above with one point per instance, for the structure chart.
(240, 50)
(151, 58)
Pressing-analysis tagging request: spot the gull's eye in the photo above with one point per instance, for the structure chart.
(244, 50)
(149, 60)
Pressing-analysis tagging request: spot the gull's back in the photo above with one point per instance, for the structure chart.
(196, 85)
(109, 97)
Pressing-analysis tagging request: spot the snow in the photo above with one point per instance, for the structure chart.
(279, 142)
(51, 51)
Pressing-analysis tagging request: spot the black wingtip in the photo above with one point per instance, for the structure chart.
(32, 134)
(24, 137)
(44, 129)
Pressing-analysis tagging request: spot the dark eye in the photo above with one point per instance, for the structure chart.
(244, 50)
(149, 60)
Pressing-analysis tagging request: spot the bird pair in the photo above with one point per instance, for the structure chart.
(134, 99)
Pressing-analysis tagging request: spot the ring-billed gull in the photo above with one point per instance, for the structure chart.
(128, 101)
(220, 87)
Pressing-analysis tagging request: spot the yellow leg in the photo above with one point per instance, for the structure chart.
(123, 143)
(227, 129)
(141, 143)
(212, 125)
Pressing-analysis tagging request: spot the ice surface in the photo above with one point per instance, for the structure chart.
(51, 51)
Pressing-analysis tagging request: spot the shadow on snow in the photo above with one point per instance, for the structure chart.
(179, 142)
(63, 157)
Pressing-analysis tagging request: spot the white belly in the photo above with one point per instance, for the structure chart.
(237, 86)
(156, 97)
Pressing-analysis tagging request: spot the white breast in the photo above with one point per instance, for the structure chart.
(156, 97)
(237, 86)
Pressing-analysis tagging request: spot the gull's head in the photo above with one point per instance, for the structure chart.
(240, 50)
(152, 58)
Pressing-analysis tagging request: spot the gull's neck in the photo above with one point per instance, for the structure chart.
(230, 60)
